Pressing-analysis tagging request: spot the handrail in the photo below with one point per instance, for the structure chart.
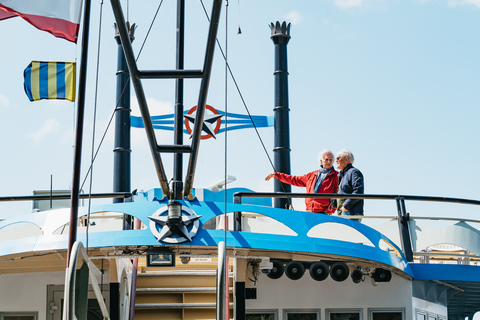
(70, 277)
(68, 196)
(239, 195)
(403, 215)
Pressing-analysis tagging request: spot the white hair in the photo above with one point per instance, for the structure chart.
(321, 154)
(345, 153)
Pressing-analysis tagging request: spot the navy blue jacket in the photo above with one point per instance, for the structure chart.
(351, 182)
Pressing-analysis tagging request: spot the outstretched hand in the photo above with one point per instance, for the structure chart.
(270, 176)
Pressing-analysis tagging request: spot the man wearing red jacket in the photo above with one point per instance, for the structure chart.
(324, 180)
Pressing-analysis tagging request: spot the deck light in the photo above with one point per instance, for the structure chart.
(160, 259)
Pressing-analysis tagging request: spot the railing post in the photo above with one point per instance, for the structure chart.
(403, 219)
(237, 216)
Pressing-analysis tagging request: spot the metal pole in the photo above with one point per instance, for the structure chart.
(79, 132)
(202, 98)
(280, 37)
(237, 216)
(177, 186)
(221, 270)
(404, 230)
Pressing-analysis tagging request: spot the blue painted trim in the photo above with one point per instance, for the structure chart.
(445, 272)
(164, 122)
(299, 222)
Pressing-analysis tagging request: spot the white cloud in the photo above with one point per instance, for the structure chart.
(456, 3)
(4, 102)
(345, 4)
(294, 17)
(50, 126)
(155, 106)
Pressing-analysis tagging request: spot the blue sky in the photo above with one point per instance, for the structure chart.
(394, 81)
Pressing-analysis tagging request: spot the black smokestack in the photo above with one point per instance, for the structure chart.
(280, 37)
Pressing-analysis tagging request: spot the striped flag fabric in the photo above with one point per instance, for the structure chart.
(50, 80)
(59, 17)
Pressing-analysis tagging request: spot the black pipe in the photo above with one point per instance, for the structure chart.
(177, 186)
(114, 300)
(170, 74)
(72, 237)
(280, 37)
(122, 151)
(240, 309)
(403, 218)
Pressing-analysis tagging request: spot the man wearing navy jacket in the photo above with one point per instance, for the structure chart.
(350, 182)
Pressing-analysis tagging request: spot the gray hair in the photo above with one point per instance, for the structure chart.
(345, 153)
(321, 154)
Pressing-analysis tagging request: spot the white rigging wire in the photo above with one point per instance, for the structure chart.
(94, 124)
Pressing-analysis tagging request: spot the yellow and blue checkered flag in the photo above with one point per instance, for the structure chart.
(50, 80)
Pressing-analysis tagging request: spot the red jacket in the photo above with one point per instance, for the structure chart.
(329, 185)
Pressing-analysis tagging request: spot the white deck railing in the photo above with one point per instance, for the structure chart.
(71, 301)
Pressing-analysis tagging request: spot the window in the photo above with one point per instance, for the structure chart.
(18, 316)
(344, 314)
(421, 315)
(262, 315)
(301, 315)
(386, 314)
(432, 317)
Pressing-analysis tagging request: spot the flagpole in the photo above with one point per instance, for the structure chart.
(79, 132)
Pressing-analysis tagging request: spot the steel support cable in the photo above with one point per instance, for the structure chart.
(149, 29)
(202, 98)
(120, 98)
(225, 311)
(245, 105)
(94, 124)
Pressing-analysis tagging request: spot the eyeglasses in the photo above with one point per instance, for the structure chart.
(330, 159)
(338, 158)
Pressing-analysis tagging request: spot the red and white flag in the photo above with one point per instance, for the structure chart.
(59, 17)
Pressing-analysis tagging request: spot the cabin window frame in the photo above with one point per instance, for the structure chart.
(371, 311)
(32, 314)
(329, 311)
(316, 311)
(432, 316)
(420, 312)
(263, 311)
